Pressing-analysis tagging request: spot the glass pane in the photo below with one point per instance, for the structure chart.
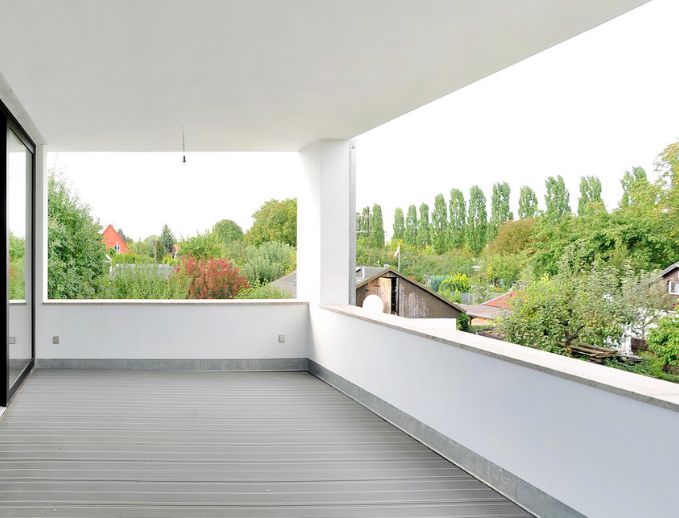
(19, 220)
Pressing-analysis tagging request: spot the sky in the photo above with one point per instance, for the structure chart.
(597, 104)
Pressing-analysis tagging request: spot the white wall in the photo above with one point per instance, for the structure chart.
(601, 453)
(231, 330)
(20, 329)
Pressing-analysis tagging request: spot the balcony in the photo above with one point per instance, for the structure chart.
(308, 407)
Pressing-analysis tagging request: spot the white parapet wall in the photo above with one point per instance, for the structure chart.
(171, 330)
(553, 430)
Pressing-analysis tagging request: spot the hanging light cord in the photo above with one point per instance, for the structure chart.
(183, 146)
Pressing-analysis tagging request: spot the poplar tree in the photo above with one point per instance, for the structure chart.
(423, 227)
(458, 218)
(410, 236)
(556, 198)
(590, 194)
(528, 203)
(439, 220)
(631, 182)
(399, 225)
(477, 220)
(499, 208)
(376, 227)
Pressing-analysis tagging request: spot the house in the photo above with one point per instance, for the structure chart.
(671, 277)
(113, 240)
(129, 408)
(401, 296)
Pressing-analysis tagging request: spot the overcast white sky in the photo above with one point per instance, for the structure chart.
(597, 104)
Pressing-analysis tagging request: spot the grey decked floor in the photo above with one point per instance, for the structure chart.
(213, 444)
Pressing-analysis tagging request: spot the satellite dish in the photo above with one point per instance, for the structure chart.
(374, 304)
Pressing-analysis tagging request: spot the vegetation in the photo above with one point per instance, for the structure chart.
(663, 340)
(584, 277)
(276, 220)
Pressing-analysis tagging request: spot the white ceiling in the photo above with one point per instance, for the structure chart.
(125, 75)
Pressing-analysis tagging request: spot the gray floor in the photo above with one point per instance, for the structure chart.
(166, 444)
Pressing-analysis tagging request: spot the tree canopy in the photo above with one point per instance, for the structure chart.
(275, 220)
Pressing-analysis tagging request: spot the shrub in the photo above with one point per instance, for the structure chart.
(212, 278)
(145, 281)
(202, 246)
(454, 285)
(262, 292)
(268, 262)
(663, 340)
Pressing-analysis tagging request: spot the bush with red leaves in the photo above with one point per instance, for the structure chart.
(214, 278)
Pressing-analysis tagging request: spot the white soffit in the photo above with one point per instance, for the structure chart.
(102, 75)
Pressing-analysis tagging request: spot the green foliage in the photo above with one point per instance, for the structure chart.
(167, 240)
(463, 322)
(477, 220)
(571, 307)
(590, 195)
(268, 262)
(423, 227)
(145, 281)
(275, 220)
(556, 199)
(663, 340)
(262, 292)
(399, 225)
(458, 218)
(499, 208)
(17, 252)
(76, 253)
(376, 227)
(528, 203)
(410, 236)
(503, 270)
(439, 227)
(631, 182)
(202, 246)
(513, 237)
(453, 286)
(363, 223)
(227, 231)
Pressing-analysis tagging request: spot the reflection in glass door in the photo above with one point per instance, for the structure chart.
(17, 171)
(19, 174)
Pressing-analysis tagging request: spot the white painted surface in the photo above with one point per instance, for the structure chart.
(172, 331)
(20, 329)
(326, 223)
(601, 453)
(256, 74)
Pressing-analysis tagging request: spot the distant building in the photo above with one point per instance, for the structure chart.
(491, 310)
(671, 277)
(112, 240)
(401, 296)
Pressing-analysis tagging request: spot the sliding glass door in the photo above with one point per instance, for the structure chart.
(18, 182)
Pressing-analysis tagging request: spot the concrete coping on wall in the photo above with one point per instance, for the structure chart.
(173, 302)
(17, 302)
(642, 388)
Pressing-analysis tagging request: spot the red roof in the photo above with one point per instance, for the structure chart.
(502, 301)
(113, 240)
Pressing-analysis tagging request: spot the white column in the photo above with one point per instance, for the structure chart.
(326, 223)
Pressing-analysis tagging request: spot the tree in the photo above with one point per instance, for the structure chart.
(667, 165)
(75, 250)
(167, 240)
(376, 227)
(556, 198)
(122, 234)
(202, 246)
(458, 218)
(363, 223)
(513, 237)
(410, 236)
(663, 340)
(212, 278)
(399, 225)
(528, 203)
(227, 231)
(631, 182)
(453, 286)
(499, 208)
(439, 222)
(275, 220)
(477, 220)
(590, 195)
(645, 301)
(267, 262)
(423, 227)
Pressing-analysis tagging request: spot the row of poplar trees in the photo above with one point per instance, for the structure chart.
(457, 223)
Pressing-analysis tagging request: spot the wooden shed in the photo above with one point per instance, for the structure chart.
(404, 297)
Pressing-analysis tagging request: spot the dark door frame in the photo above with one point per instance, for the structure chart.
(9, 123)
